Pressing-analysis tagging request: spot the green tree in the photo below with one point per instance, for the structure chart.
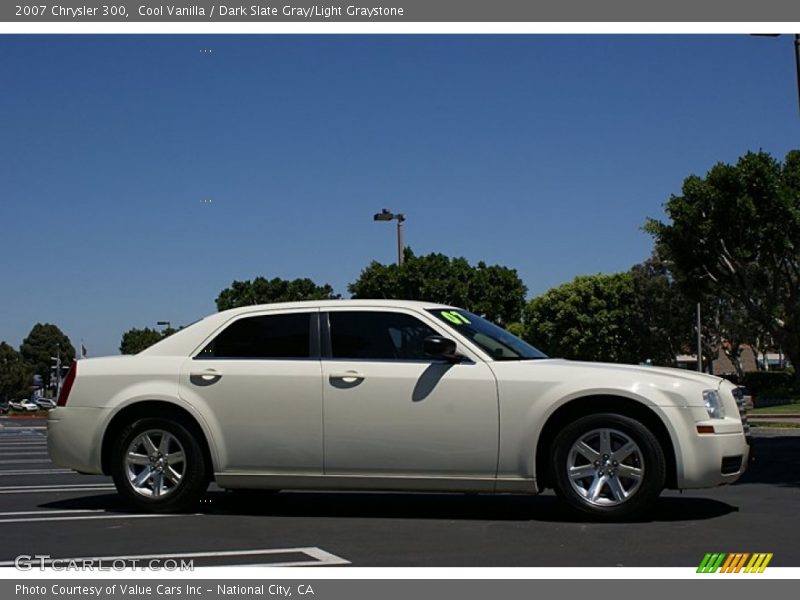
(492, 291)
(135, 340)
(43, 342)
(662, 314)
(265, 291)
(15, 375)
(590, 318)
(736, 233)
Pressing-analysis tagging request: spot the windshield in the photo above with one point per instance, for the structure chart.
(495, 341)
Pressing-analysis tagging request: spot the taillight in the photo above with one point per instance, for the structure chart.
(66, 387)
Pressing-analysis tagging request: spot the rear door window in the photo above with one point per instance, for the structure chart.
(263, 336)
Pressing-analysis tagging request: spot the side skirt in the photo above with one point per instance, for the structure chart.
(281, 481)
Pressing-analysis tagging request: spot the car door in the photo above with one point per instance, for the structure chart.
(392, 411)
(259, 383)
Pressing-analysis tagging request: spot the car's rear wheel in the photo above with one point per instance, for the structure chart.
(608, 466)
(159, 466)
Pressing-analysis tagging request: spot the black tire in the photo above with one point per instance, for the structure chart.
(598, 495)
(175, 497)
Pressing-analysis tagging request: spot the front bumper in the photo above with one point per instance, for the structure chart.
(716, 459)
(706, 460)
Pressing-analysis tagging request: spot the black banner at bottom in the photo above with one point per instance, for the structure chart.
(391, 589)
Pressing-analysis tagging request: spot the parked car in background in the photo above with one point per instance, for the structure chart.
(746, 397)
(44, 403)
(3, 408)
(24, 406)
(389, 395)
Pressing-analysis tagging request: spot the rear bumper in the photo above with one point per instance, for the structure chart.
(74, 438)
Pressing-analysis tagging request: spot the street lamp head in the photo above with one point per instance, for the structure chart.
(384, 215)
(387, 215)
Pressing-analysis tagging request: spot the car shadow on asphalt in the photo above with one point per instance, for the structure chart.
(776, 462)
(380, 505)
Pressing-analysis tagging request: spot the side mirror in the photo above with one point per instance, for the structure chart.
(440, 347)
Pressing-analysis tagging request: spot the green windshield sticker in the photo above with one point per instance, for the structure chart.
(454, 317)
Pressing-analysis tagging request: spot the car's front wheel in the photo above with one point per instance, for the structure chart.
(159, 466)
(608, 466)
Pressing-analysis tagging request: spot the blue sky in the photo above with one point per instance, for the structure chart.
(543, 153)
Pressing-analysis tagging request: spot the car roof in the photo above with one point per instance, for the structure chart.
(186, 340)
(349, 303)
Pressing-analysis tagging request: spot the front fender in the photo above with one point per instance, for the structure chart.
(526, 408)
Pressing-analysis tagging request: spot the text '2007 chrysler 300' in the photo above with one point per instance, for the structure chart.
(389, 395)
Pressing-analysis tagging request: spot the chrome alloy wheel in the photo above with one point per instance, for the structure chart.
(605, 467)
(155, 463)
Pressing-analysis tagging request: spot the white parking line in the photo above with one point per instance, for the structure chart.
(320, 557)
(50, 486)
(15, 472)
(91, 518)
(325, 558)
(28, 453)
(10, 432)
(78, 487)
(11, 444)
(49, 512)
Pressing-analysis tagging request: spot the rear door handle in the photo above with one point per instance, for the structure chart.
(205, 378)
(347, 376)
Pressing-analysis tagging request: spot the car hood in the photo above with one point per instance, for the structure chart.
(673, 374)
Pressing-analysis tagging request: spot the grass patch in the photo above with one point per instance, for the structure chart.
(776, 425)
(780, 409)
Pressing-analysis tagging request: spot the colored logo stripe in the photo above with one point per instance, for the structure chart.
(734, 563)
(710, 563)
(758, 563)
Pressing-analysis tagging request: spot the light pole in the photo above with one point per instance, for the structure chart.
(387, 215)
(796, 54)
(57, 368)
(797, 61)
(699, 341)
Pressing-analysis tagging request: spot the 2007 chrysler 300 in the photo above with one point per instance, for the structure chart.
(389, 395)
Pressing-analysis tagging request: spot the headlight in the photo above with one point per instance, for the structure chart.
(713, 404)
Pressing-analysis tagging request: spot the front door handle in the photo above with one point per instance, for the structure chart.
(205, 378)
(347, 376)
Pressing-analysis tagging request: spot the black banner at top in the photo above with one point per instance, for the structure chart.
(408, 11)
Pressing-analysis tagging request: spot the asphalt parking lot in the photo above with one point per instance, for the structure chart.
(45, 510)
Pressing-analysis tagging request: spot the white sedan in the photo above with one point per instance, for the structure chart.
(24, 405)
(389, 395)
